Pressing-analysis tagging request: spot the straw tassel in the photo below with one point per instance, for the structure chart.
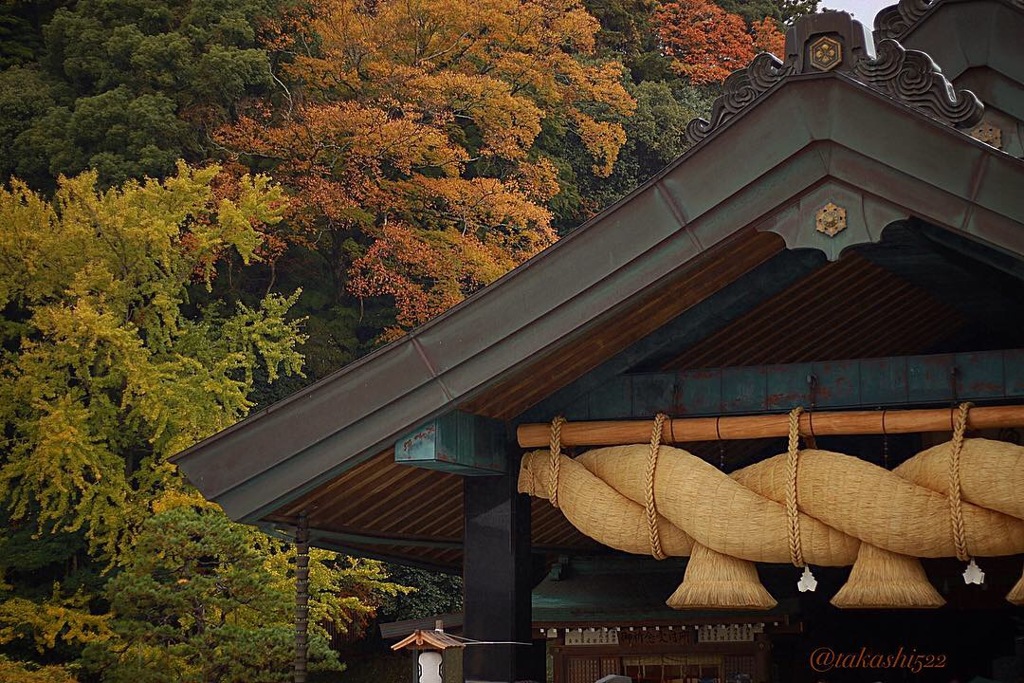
(1016, 594)
(717, 581)
(880, 578)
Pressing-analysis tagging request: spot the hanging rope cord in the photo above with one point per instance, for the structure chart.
(792, 467)
(556, 454)
(650, 507)
(956, 511)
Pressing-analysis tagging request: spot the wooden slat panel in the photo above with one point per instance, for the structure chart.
(380, 495)
(702, 278)
(847, 309)
(436, 508)
(400, 491)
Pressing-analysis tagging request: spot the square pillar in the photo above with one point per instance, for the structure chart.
(496, 575)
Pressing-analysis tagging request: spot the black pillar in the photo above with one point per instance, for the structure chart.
(496, 572)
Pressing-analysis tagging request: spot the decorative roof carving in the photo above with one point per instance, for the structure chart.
(739, 90)
(989, 133)
(894, 21)
(909, 76)
(913, 78)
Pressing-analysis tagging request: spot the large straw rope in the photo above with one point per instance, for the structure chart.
(651, 509)
(686, 488)
(843, 501)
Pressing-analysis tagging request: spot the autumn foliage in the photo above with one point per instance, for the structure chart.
(768, 38)
(707, 43)
(412, 150)
(352, 168)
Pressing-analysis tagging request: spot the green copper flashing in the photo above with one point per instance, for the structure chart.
(456, 442)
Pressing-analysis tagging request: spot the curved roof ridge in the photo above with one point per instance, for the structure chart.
(835, 41)
(895, 21)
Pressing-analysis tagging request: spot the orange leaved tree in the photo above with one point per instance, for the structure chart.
(768, 38)
(707, 43)
(410, 135)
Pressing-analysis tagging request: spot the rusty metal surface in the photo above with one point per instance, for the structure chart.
(891, 382)
(457, 442)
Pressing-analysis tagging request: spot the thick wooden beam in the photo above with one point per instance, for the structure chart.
(608, 433)
(377, 538)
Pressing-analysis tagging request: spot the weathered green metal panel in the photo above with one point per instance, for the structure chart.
(835, 384)
(613, 400)
(883, 381)
(700, 392)
(456, 442)
(930, 378)
(1013, 373)
(787, 386)
(866, 383)
(744, 390)
(654, 393)
(578, 410)
(979, 375)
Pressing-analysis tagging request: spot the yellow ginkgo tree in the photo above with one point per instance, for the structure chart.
(113, 357)
(107, 369)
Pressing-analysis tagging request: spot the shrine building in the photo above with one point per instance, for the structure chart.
(765, 408)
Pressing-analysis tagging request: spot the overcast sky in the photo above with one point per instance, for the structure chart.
(862, 10)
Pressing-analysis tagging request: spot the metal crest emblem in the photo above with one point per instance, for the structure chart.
(826, 53)
(831, 219)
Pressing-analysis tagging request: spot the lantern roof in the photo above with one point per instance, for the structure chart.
(427, 640)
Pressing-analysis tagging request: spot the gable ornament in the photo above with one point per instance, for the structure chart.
(830, 220)
(836, 43)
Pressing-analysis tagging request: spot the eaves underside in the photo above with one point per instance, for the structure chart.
(852, 308)
(687, 220)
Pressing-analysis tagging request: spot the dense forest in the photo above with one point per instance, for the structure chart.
(207, 204)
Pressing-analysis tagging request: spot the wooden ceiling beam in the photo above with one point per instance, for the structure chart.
(621, 432)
